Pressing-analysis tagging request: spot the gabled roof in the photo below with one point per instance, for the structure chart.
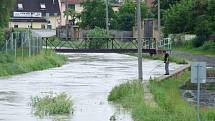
(51, 6)
(72, 1)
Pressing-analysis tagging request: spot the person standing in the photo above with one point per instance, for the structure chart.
(166, 61)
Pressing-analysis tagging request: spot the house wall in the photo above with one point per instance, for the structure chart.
(54, 21)
(78, 8)
(35, 25)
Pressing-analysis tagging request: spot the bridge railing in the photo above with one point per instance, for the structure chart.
(165, 44)
(100, 43)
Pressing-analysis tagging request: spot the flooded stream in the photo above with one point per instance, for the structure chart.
(87, 78)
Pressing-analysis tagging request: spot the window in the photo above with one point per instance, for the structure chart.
(42, 6)
(71, 6)
(20, 7)
(16, 26)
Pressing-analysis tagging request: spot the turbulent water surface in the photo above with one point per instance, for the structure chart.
(87, 78)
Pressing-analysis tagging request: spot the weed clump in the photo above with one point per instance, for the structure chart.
(52, 105)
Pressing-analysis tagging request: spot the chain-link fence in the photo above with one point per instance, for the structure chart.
(21, 44)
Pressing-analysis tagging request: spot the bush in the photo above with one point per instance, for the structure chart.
(209, 45)
(6, 58)
(99, 38)
(50, 105)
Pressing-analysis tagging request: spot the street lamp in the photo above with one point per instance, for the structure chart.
(140, 70)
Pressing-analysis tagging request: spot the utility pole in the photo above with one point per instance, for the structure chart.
(159, 25)
(140, 70)
(67, 19)
(107, 21)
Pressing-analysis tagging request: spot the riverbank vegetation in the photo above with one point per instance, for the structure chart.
(52, 105)
(208, 48)
(171, 105)
(45, 59)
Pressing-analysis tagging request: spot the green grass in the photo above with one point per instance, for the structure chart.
(171, 106)
(175, 59)
(52, 105)
(44, 60)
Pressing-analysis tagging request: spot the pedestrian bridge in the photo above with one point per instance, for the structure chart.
(106, 45)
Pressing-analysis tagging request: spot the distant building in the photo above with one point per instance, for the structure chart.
(36, 14)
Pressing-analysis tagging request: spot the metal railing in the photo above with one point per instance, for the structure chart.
(101, 43)
(165, 44)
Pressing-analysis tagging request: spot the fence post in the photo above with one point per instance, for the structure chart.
(112, 43)
(22, 36)
(29, 44)
(15, 41)
(37, 44)
(6, 47)
(11, 42)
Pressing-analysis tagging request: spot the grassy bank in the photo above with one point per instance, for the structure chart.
(52, 105)
(44, 60)
(208, 48)
(171, 106)
(175, 59)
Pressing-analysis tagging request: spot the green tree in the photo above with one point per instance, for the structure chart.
(164, 5)
(179, 18)
(71, 13)
(127, 15)
(211, 14)
(5, 7)
(94, 14)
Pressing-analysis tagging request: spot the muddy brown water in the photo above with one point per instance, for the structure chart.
(87, 78)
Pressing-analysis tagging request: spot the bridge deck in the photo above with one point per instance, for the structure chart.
(151, 51)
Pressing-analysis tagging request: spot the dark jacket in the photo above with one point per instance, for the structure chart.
(166, 57)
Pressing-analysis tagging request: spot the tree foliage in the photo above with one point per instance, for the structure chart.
(127, 15)
(71, 13)
(164, 5)
(191, 16)
(94, 14)
(179, 18)
(5, 7)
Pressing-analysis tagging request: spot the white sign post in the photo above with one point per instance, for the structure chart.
(198, 75)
